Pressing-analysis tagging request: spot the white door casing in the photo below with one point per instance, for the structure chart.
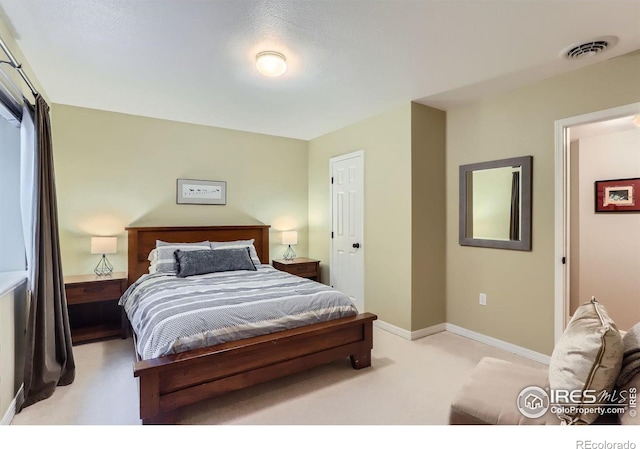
(347, 225)
(562, 196)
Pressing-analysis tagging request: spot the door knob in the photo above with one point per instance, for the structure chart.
(356, 245)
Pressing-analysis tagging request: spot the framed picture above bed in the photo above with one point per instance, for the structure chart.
(618, 195)
(196, 191)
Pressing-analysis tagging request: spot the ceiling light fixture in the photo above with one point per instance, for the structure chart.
(271, 63)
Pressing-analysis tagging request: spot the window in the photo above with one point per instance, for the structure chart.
(12, 249)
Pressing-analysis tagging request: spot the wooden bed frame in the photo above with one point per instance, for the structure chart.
(168, 383)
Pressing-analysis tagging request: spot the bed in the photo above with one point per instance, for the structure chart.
(170, 382)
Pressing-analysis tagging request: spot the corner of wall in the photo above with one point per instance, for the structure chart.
(428, 216)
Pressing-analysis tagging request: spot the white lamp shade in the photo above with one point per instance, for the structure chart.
(290, 238)
(104, 245)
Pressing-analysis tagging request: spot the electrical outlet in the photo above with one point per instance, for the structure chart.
(483, 299)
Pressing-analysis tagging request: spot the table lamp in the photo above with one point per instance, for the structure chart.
(104, 246)
(289, 238)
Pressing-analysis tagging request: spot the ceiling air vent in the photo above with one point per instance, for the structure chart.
(591, 48)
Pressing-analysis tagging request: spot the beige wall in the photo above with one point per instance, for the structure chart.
(7, 352)
(404, 160)
(386, 141)
(428, 225)
(13, 313)
(609, 243)
(115, 170)
(520, 284)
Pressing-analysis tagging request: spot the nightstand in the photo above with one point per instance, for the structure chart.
(300, 266)
(93, 307)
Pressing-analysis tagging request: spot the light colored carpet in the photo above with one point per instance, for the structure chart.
(409, 382)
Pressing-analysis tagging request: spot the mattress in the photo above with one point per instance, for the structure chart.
(170, 314)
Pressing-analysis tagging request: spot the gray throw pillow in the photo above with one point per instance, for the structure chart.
(191, 263)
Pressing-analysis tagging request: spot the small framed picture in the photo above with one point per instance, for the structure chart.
(617, 195)
(195, 191)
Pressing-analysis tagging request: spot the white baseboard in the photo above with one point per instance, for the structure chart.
(500, 344)
(408, 335)
(11, 412)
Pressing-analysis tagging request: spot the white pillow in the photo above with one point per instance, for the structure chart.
(239, 244)
(588, 356)
(165, 260)
(153, 261)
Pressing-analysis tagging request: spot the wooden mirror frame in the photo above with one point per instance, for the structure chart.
(524, 244)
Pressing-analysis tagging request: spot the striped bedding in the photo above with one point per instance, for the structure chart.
(171, 314)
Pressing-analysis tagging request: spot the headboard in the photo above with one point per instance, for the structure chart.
(143, 239)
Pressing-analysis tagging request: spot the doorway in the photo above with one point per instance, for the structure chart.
(347, 226)
(565, 226)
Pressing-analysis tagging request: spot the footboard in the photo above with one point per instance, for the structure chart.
(171, 382)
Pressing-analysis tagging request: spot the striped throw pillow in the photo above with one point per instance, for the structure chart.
(165, 261)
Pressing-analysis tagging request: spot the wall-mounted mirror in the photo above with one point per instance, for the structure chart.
(495, 204)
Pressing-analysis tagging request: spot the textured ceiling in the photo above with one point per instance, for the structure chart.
(193, 60)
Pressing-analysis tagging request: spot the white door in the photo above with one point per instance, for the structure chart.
(347, 212)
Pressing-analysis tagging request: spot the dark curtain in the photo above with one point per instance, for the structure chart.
(514, 222)
(49, 357)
